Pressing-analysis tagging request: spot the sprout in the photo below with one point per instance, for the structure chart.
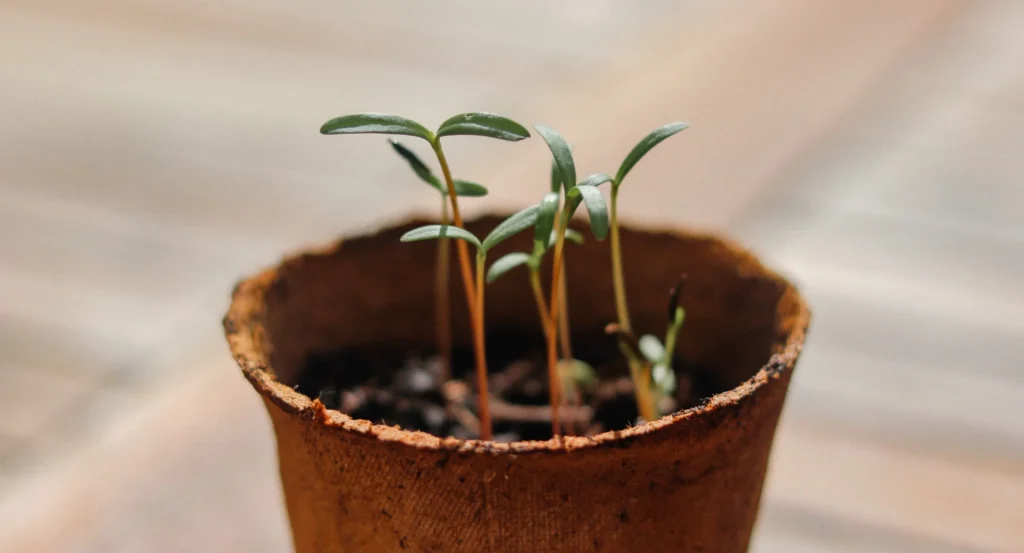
(475, 124)
(509, 227)
(649, 358)
(645, 402)
(659, 357)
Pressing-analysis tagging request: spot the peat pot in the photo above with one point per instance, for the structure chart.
(690, 481)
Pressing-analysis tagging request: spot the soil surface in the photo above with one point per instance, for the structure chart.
(406, 388)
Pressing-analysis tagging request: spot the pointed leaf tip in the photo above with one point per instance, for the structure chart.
(645, 145)
(562, 154)
(375, 123)
(483, 124)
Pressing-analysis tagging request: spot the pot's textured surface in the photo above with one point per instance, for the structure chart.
(688, 482)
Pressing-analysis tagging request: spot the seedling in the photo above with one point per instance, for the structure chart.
(551, 218)
(509, 227)
(442, 304)
(571, 371)
(474, 124)
(650, 359)
(659, 356)
(645, 402)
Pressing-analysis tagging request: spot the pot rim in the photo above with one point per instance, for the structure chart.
(243, 332)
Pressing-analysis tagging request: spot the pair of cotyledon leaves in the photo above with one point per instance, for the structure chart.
(476, 124)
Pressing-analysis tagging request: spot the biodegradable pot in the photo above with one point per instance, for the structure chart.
(690, 481)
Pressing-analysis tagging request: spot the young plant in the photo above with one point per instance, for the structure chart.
(507, 228)
(552, 218)
(645, 402)
(442, 304)
(473, 124)
(658, 356)
(572, 371)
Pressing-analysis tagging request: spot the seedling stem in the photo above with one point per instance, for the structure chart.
(479, 345)
(464, 266)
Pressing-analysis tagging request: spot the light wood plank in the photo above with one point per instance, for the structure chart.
(825, 471)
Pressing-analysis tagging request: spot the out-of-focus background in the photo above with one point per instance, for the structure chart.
(153, 151)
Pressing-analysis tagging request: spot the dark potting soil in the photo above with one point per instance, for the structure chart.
(405, 388)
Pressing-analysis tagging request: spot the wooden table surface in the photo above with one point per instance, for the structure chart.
(151, 152)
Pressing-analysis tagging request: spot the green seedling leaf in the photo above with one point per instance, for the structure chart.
(556, 178)
(596, 206)
(596, 179)
(650, 346)
(465, 188)
(505, 264)
(417, 165)
(664, 379)
(376, 123)
(645, 145)
(483, 124)
(574, 236)
(546, 216)
(563, 156)
(462, 187)
(434, 232)
(511, 226)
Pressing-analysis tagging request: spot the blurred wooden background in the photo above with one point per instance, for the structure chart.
(151, 152)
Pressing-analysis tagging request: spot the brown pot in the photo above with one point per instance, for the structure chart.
(690, 481)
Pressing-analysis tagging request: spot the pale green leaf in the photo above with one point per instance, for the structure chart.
(562, 154)
(546, 216)
(376, 123)
(664, 379)
(511, 226)
(434, 232)
(483, 124)
(575, 237)
(596, 179)
(644, 146)
(651, 347)
(505, 264)
(596, 207)
(571, 235)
